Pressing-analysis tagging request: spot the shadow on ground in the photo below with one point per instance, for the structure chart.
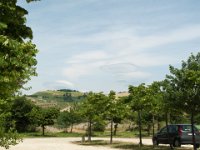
(125, 145)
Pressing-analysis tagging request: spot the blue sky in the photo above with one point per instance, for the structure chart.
(103, 45)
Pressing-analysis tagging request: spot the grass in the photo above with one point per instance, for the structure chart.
(48, 134)
(124, 134)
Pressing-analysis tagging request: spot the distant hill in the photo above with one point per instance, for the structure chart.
(60, 98)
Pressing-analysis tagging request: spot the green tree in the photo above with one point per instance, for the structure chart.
(47, 116)
(64, 119)
(185, 83)
(156, 102)
(21, 114)
(17, 61)
(139, 102)
(93, 106)
(70, 117)
(114, 112)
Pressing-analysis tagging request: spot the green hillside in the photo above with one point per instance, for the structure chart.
(60, 98)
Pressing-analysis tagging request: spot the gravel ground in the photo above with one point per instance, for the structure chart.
(64, 144)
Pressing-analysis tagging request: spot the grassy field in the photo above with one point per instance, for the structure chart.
(120, 134)
(48, 134)
(125, 134)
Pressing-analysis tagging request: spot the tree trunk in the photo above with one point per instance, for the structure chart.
(193, 133)
(115, 129)
(168, 136)
(72, 125)
(153, 122)
(158, 125)
(149, 129)
(43, 127)
(89, 130)
(111, 131)
(140, 127)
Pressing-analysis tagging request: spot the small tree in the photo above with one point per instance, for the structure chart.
(114, 112)
(92, 106)
(138, 102)
(47, 116)
(155, 97)
(21, 114)
(69, 118)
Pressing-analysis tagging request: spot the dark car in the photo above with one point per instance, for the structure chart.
(179, 134)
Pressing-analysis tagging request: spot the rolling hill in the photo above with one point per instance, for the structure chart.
(60, 98)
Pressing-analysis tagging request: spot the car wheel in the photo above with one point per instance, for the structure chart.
(155, 142)
(177, 143)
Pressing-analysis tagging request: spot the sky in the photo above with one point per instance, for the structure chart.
(103, 45)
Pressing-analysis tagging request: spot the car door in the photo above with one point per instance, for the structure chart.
(162, 136)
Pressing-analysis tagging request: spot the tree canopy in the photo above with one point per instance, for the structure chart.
(17, 59)
(185, 85)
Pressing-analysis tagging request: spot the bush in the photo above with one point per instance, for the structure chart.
(99, 126)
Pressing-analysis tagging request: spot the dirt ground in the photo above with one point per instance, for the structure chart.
(67, 144)
(64, 144)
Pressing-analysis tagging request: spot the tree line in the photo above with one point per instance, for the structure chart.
(173, 100)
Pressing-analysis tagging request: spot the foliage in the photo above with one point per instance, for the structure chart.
(17, 61)
(139, 102)
(21, 113)
(46, 116)
(70, 117)
(115, 111)
(67, 90)
(138, 97)
(185, 83)
(93, 106)
(60, 98)
(64, 119)
(8, 134)
(99, 124)
(185, 87)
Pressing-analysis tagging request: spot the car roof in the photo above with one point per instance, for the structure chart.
(178, 124)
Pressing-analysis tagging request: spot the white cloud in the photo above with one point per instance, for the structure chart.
(75, 71)
(123, 40)
(125, 54)
(67, 83)
(135, 75)
(88, 57)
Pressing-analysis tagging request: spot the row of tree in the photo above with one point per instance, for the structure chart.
(167, 100)
(172, 100)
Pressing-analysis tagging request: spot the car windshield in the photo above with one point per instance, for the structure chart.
(188, 128)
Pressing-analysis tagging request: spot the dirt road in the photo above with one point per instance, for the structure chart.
(65, 144)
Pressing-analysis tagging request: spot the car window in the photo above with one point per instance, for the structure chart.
(173, 128)
(163, 130)
(188, 128)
